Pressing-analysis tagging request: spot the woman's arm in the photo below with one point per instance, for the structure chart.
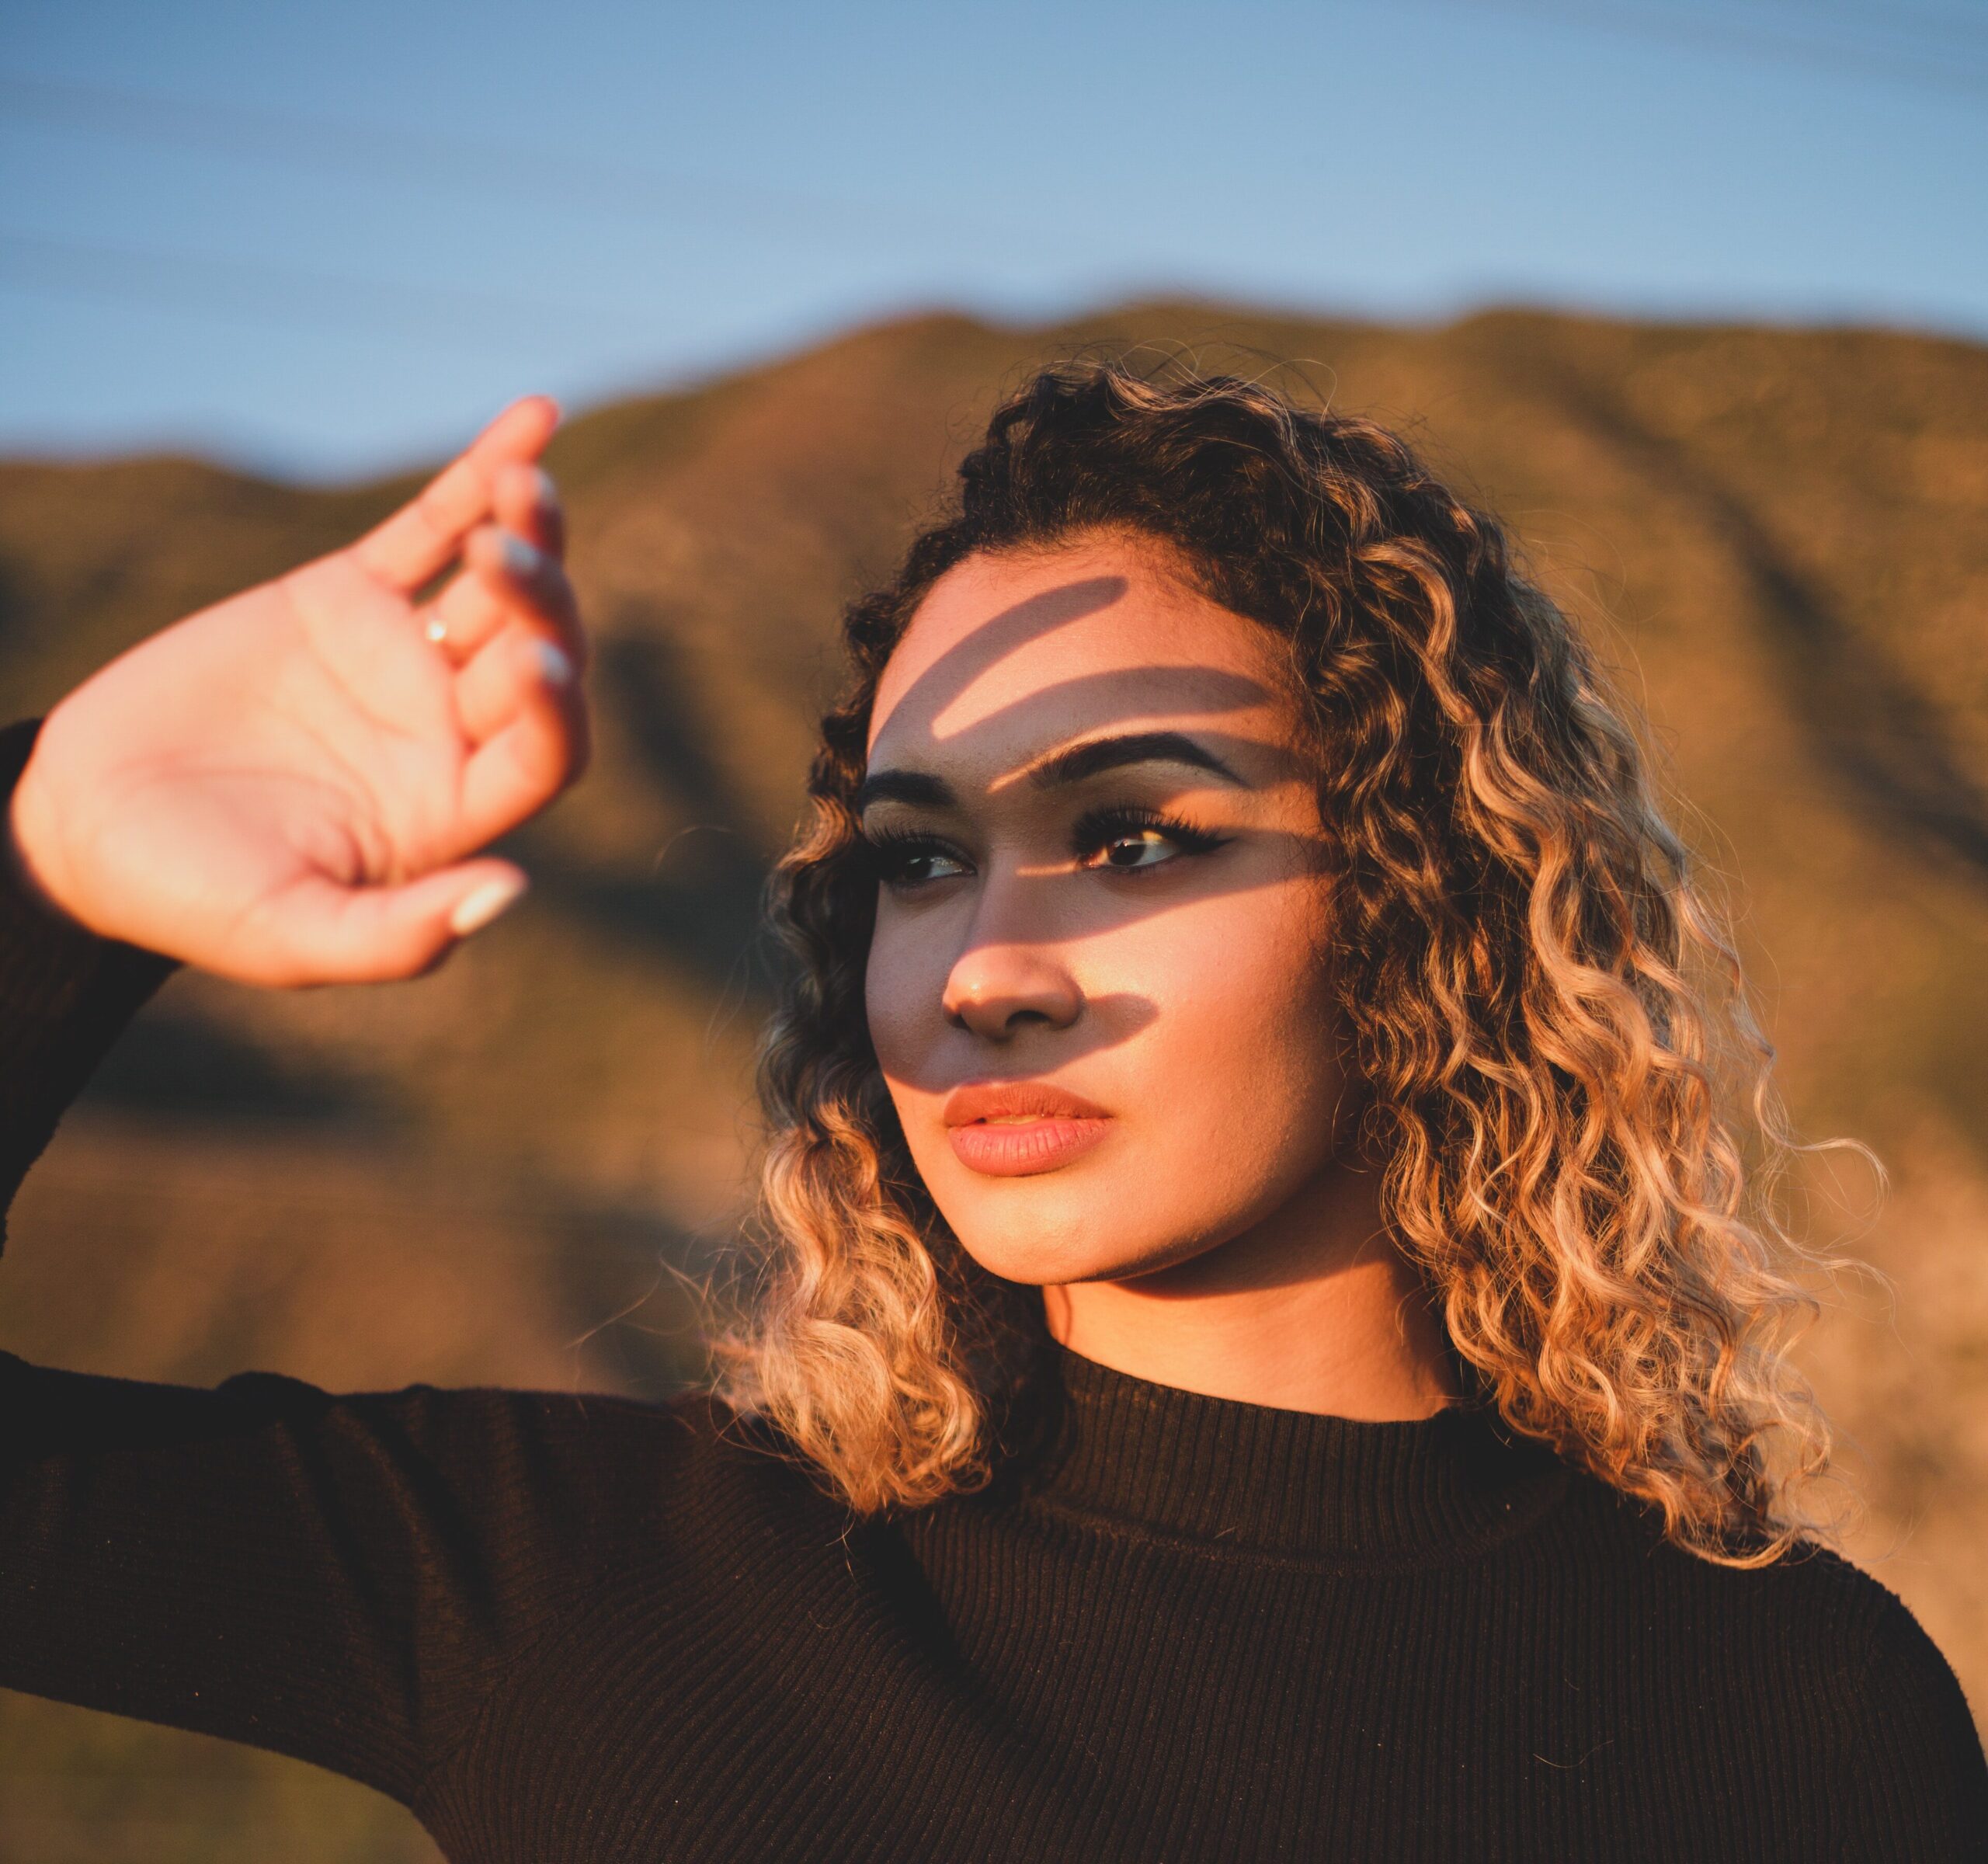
(65, 995)
(291, 788)
(343, 1578)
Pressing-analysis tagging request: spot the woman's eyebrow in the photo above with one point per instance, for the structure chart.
(917, 788)
(1097, 755)
(920, 789)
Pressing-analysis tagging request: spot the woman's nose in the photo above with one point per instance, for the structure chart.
(996, 990)
(999, 987)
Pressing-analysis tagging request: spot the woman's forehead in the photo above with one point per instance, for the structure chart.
(1009, 656)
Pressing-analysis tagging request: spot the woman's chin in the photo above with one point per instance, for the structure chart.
(1035, 1255)
(1092, 1245)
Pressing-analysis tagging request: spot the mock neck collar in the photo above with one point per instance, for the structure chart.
(1238, 1475)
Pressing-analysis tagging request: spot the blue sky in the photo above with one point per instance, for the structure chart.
(324, 239)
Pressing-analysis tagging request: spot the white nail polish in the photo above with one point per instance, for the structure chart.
(519, 557)
(478, 908)
(542, 491)
(554, 667)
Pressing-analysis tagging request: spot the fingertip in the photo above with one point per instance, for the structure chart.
(493, 895)
(522, 427)
(539, 752)
(543, 407)
(554, 667)
(523, 560)
(496, 550)
(525, 500)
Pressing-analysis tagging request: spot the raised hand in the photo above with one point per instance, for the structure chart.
(291, 788)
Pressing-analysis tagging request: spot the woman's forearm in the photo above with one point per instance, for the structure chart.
(65, 997)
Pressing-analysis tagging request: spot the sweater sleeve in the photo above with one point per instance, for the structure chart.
(1915, 1778)
(335, 1577)
(65, 997)
(341, 1578)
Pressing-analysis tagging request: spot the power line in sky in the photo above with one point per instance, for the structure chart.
(1936, 50)
(289, 295)
(1928, 48)
(1953, 59)
(509, 172)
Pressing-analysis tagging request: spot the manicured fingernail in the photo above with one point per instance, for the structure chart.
(542, 491)
(519, 557)
(478, 908)
(554, 667)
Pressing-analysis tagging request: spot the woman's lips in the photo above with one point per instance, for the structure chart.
(1012, 1129)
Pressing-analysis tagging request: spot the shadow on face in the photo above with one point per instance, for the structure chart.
(1099, 982)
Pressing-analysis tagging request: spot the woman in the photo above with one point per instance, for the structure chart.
(1266, 1346)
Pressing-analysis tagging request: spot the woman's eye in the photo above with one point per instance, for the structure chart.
(931, 866)
(912, 864)
(1127, 843)
(1137, 848)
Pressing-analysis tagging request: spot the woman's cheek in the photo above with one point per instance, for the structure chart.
(903, 992)
(923, 1056)
(1224, 1058)
(1243, 1069)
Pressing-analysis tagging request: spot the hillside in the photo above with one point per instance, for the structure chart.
(1780, 536)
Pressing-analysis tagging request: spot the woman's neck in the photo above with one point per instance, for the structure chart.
(1314, 1309)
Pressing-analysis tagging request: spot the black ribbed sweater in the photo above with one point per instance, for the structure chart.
(567, 1628)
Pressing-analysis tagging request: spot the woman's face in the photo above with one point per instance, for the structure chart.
(1098, 985)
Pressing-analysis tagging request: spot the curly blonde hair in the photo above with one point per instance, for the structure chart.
(1567, 1086)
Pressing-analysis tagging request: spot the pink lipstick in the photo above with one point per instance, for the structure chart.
(1014, 1129)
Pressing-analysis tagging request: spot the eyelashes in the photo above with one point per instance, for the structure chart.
(1124, 840)
(897, 857)
(1113, 831)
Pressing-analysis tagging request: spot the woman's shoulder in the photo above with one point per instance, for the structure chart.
(1811, 1622)
(1913, 1774)
(1844, 1609)
(1860, 1624)
(1810, 1662)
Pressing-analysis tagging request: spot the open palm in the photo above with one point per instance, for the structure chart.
(291, 786)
